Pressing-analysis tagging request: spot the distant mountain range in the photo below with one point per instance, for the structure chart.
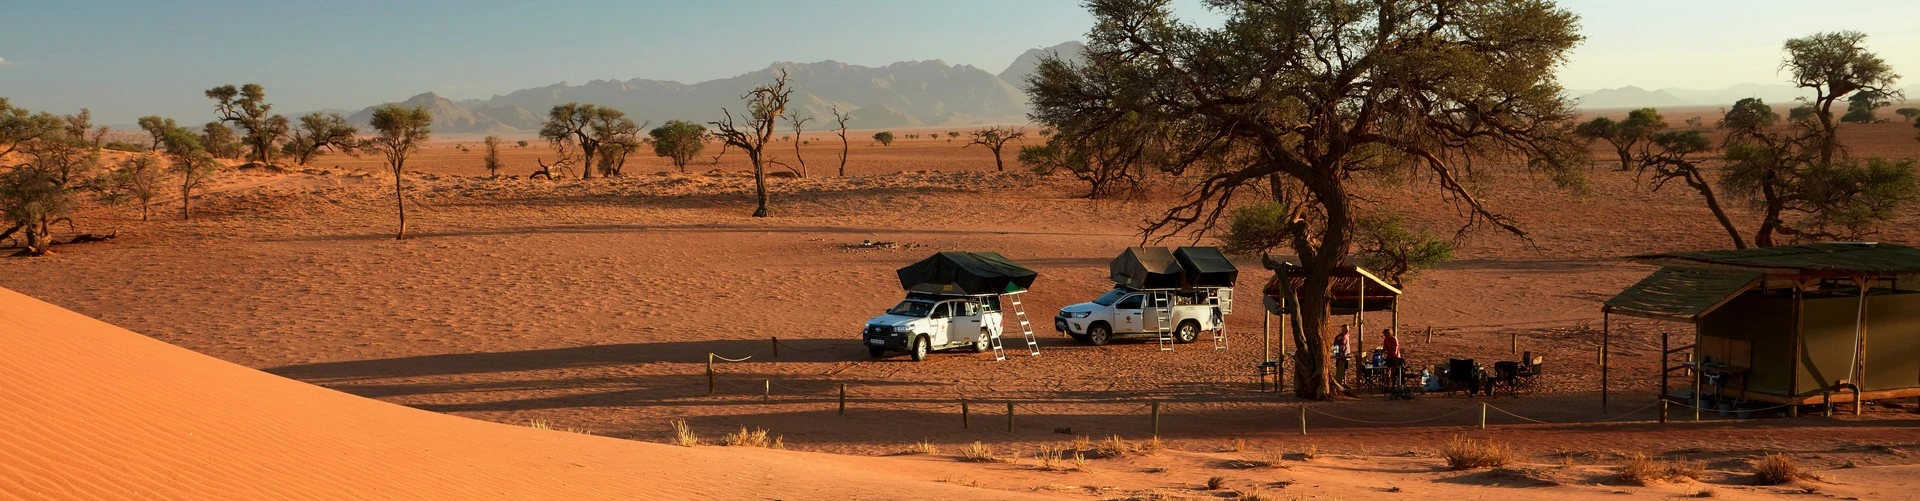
(1636, 97)
(906, 94)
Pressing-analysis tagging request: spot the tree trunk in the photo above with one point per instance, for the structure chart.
(1713, 203)
(997, 166)
(186, 203)
(586, 161)
(759, 183)
(1626, 156)
(1312, 379)
(843, 154)
(400, 201)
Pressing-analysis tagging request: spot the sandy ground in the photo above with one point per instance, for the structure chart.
(594, 305)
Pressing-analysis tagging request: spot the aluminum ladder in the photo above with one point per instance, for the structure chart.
(1162, 308)
(1026, 326)
(1223, 304)
(993, 339)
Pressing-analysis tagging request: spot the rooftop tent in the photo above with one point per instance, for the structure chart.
(966, 273)
(1147, 268)
(1206, 267)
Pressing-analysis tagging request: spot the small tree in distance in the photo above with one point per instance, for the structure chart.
(679, 141)
(191, 162)
(137, 180)
(765, 105)
(993, 138)
(247, 107)
(398, 133)
(840, 119)
(884, 137)
(321, 131)
(1909, 114)
(493, 156)
(1623, 135)
(799, 123)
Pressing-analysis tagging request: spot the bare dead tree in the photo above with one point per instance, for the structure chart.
(841, 119)
(765, 105)
(993, 138)
(799, 123)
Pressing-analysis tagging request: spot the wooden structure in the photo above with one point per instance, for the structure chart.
(1355, 291)
(1793, 325)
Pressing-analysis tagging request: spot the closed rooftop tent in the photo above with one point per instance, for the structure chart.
(958, 273)
(1169, 295)
(1147, 268)
(954, 300)
(1788, 325)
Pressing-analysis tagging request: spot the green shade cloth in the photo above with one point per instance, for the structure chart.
(957, 273)
(1206, 267)
(1681, 294)
(1836, 257)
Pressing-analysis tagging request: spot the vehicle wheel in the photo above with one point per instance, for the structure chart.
(980, 344)
(1099, 334)
(876, 351)
(1187, 333)
(920, 348)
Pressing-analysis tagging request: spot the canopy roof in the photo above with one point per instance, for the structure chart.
(1682, 294)
(1147, 268)
(966, 273)
(1206, 267)
(1348, 283)
(1830, 259)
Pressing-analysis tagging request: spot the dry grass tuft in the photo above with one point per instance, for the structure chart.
(756, 437)
(1775, 469)
(1705, 492)
(1310, 453)
(1250, 496)
(977, 452)
(1215, 483)
(1266, 459)
(924, 446)
(1464, 453)
(1237, 445)
(1643, 471)
(542, 424)
(682, 435)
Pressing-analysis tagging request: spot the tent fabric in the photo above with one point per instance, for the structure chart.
(1344, 291)
(1841, 257)
(1147, 268)
(1680, 293)
(1206, 267)
(966, 273)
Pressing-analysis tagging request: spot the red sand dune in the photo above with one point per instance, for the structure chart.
(93, 411)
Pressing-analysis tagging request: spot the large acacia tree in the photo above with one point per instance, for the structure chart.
(1292, 99)
(247, 107)
(588, 127)
(398, 133)
(765, 105)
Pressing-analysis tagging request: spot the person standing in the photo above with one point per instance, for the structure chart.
(1390, 343)
(1342, 356)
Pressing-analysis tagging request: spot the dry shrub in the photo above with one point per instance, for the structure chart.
(1643, 471)
(924, 446)
(542, 424)
(1775, 469)
(1114, 447)
(1047, 456)
(756, 437)
(1266, 459)
(1250, 496)
(1215, 483)
(1705, 492)
(1464, 453)
(1078, 459)
(1310, 453)
(683, 435)
(978, 453)
(1237, 445)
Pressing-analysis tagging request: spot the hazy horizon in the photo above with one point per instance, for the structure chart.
(125, 60)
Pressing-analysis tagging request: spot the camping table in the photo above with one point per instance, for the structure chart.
(1720, 373)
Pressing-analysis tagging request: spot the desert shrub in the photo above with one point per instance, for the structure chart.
(1215, 483)
(521, 144)
(124, 146)
(1775, 469)
(1641, 470)
(683, 435)
(1464, 453)
(978, 453)
(542, 424)
(1310, 453)
(756, 437)
(884, 137)
(1114, 447)
(924, 446)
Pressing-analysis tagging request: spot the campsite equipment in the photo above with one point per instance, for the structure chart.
(1169, 295)
(954, 300)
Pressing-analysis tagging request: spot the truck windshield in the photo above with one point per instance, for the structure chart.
(912, 308)
(1108, 298)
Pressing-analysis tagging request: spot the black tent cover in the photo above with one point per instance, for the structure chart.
(956, 273)
(1206, 267)
(1147, 268)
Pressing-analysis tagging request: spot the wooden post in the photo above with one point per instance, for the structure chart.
(1429, 335)
(709, 374)
(1360, 320)
(843, 399)
(965, 423)
(1266, 330)
(1513, 337)
(776, 346)
(1663, 408)
(1303, 420)
(1697, 401)
(1606, 341)
(1009, 417)
(766, 395)
(1666, 357)
(1156, 418)
(1483, 415)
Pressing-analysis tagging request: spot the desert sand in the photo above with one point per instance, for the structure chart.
(409, 369)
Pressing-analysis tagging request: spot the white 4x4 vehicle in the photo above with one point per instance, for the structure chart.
(1127, 312)
(926, 322)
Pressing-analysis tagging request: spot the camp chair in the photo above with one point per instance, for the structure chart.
(1462, 374)
(1528, 369)
(1508, 373)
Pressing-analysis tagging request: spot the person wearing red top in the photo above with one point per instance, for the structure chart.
(1390, 344)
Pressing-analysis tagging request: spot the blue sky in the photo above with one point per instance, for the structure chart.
(126, 59)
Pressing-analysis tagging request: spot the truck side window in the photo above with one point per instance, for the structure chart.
(940, 310)
(1129, 303)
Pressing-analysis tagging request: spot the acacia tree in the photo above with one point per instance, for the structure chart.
(137, 180)
(1908, 114)
(799, 123)
(1298, 97)
(493, 155)
(679, 141)
(1861, 107)
(1639, 125)
(19, 126)
(884, 137)
(220, 140)
(398, 132)
(321, 131)
(1835, 65)
(765, 105)
(840, 120)
(993, 138)
(1675, 155)
(191, 162)
(42, 191)
(156, 128)
(247, 107)
(586, 127)
(1104, 155)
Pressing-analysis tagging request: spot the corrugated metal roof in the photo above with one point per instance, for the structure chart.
(1837, 257)
(1681, 294)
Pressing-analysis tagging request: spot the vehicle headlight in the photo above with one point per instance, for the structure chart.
(1079, 314)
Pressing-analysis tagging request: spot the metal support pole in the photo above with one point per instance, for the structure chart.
(1697, 402)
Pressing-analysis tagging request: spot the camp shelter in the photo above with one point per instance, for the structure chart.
(1797, 325)
(957, 273)
(1205, 267)
(1354, 291)
(1147, 268)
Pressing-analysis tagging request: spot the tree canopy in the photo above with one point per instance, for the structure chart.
(679, 141)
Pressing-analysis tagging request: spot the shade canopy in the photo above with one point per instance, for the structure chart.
(966, 274)
(1352, 288)
(1833, 258)
(1682, 294)
(1206, 267)
(1147, 268)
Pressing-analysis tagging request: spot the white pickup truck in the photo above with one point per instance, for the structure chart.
(927, 322)
(1127, 312)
